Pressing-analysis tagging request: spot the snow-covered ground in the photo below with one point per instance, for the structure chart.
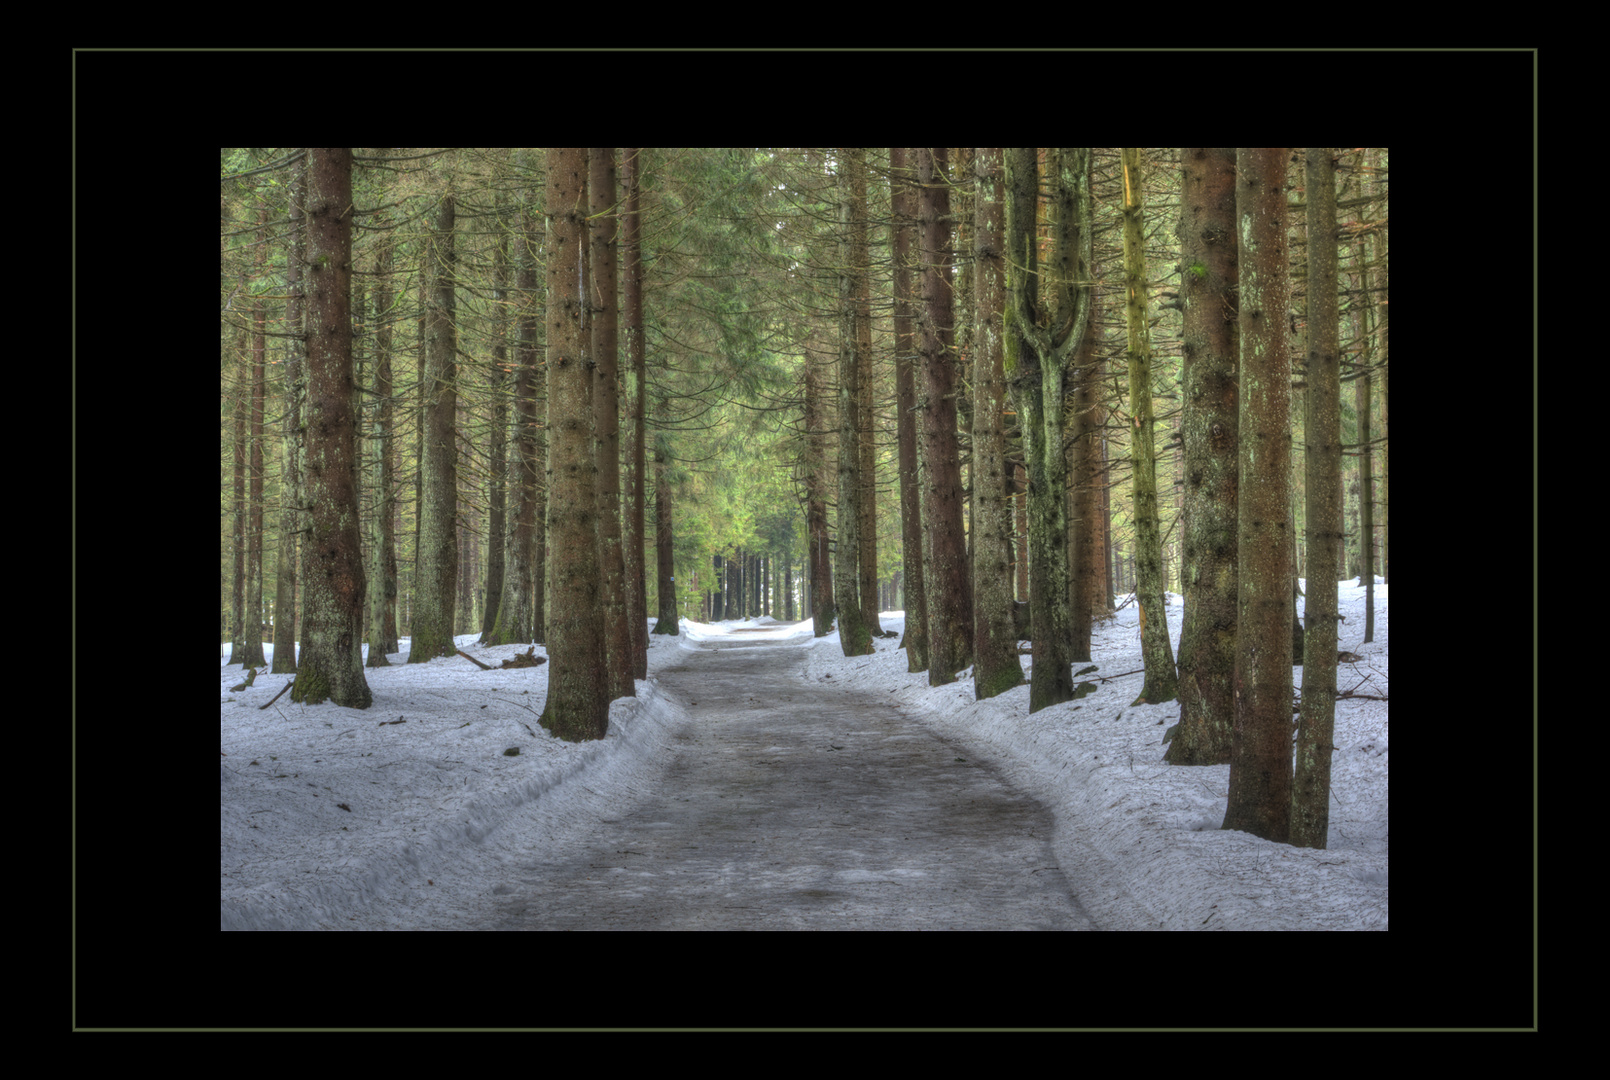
(324, 809)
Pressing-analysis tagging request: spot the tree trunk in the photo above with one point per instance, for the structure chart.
(904, 202)
(603, 298)
(996, 667)
(637, 353)
(945, 565)
(855, 636)
(1041, 334)
(1161, 683)
(1260, 757)
(578, 701)
(1210, 343)
(1322, 428)
(331, 665)
(284, 662)
(437, 577)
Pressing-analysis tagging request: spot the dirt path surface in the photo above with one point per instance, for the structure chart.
(785, 805)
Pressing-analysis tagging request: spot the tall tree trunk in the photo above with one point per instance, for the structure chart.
(816, 481)
(252, 655)
(637, 353)
(498, 452)
(1260, 757)
(1161, 684)
(285, 576)
(604, 301)
(866, 463)
(519, 616)
(578, 701)
(1042, 332)
(945, 565)
(437, 578)
(1210, 343)
(1322, 428)
(855, 635)
(382, 548)
(331, 665)
(904, 201)
(995, 665)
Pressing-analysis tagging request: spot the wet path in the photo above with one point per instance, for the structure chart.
(793, 805)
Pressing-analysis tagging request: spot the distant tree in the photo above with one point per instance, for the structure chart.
(1161, 682)
(331, 665)
(665, 549)
(1209, 346)
(436, 574)
(948, 576)
(996, 667)
(1260, 756)
(578, 702)
(1322, 457)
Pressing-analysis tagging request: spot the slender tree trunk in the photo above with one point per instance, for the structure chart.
(284, 662)
(519, 616)
(996, 667)
(382, 549)
(637, 354)
(331, 665)
(1161, 684)
(855, 636)
(437, 577)
(903, 198)
(1208, 291)
(667, 622)
(1322, 428)
(945, 565)
(1260, 757)
(578, 701)
(866, 464)
(816, 495)
(498, 452)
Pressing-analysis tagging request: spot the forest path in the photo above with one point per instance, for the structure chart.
(782, 804)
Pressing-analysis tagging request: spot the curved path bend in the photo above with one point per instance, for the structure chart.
(787, 805)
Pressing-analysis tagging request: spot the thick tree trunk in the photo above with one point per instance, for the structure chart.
(855, 635)
(331, 665)
(578, 701)
(995, 666)
(1260, 757)
(1208, 291)
(603, 300)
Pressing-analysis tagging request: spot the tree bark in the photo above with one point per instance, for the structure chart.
(331, 665)
(904, 203)
(1161, 682)
(578, 701)
(1260, 756)
(436, 578)
(1322, 461)
(945, 565)
(1210, 342)
(995, 666)
(603, 299)
(855, 635)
